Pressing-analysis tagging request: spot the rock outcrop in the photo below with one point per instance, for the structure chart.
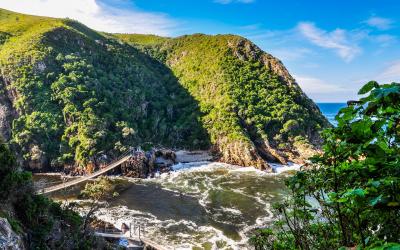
(9, 240)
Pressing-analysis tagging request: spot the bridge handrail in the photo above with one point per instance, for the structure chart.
(128, 152)
(85, 177)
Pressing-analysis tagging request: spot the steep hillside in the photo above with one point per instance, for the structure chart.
(253, 108)
(70, 95)
(76, 94)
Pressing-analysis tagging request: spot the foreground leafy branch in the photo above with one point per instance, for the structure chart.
(349, 196)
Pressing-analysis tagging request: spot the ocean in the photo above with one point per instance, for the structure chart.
(330, 110)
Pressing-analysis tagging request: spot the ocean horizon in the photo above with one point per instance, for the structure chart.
(330, 110)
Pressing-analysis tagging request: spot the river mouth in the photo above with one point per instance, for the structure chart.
(199, 206)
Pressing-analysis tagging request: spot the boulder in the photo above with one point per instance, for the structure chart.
(8, 238)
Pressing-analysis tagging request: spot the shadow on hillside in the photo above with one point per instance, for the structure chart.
(186, 115)
(106, 86)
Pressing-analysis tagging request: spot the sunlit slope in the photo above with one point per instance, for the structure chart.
(253, 108)
(71, 95)
(77, 95)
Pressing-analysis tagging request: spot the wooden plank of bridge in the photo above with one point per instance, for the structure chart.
(144, 240)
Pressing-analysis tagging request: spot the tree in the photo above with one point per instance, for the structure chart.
(99, 192)
(35, 215)
(350, 195)
(10, 178)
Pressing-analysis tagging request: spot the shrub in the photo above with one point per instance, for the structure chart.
(349, 197)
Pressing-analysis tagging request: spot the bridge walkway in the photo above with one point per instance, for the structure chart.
(61, 186)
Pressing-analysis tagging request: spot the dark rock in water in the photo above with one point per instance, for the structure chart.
(145, 164)
(138, 166)
(164, 158)
(124, 228)
(103, 226)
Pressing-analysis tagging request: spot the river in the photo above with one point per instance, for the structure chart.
(207, 205)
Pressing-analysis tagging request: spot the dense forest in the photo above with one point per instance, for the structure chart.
(71, 95)
(252, 108)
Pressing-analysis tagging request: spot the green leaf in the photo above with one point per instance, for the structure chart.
(368, 87)
(376, 183)
(387, 91)
(376, 200)
(355, 192)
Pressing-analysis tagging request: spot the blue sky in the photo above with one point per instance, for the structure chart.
(330, 48)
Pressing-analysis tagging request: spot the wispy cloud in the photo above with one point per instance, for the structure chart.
(391, 73)
(250, 27)
(98, 15)
(384, 40)
(320, 90)
(336, 40)
(233, 1)
(379, 22)
(313, 85)
(291, 54)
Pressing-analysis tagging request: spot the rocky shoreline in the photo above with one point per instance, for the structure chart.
(142, 164)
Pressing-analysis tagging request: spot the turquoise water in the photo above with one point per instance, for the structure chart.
(330, 110)
(200, 205)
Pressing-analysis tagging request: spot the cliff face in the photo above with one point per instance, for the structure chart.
(73, 95)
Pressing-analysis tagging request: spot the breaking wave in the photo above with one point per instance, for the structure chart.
(204, 204)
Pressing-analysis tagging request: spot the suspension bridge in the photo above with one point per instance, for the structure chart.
(138, 240)
(109, 167)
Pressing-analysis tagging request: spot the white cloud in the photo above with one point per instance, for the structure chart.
(291, 54)
(379, 23)
(336, 40)
(384, 40)
(255, 26)
(97, 15)
(391, 73)
(313, 85)
(233, 1)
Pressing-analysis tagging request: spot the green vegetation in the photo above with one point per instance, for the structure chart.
(141, 39)
(246, 96)
(350, 196)
(36, 215)
(10, 178)
(98, 192)
(80, 94)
